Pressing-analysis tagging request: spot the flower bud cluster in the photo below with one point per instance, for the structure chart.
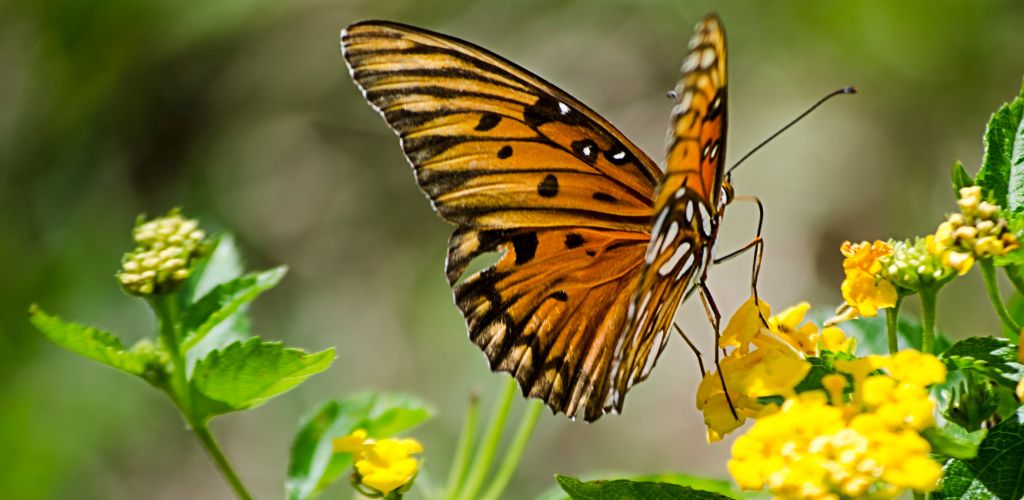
(976, 233)
(912, 266)
(166, 248)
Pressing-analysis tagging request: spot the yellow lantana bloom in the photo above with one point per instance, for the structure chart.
(822, 447)
(864, 290)
(384, 465)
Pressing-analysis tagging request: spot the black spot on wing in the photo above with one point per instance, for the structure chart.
(585, 149)
(560, 296)
(525, 246)
(504, 152)
(548, 188)
(487, 122)
(573, 240)
(605, 197)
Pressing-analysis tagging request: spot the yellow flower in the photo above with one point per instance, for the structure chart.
(388, 463)
(867, 293)
(384, 464)
(835, 340)
(762, 362)
(353, 443)
(914, 367)
(822, 447)
(864, 256)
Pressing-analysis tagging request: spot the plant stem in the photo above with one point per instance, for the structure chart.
(892, 324)
(515, 451)
(988, 271)
(167, 308)
(467, 439)
(928, 298)
(1013, 273)
(485, 454)
(203, 432)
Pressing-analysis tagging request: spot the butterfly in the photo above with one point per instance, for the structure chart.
(598, 246)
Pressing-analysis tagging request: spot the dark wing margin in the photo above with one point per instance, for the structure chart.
(526, 171)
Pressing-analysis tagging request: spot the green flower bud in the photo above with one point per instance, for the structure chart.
(912, 266)
(166, 248)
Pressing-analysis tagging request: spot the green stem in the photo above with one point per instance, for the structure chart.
(892, 324)
(467, 439)
(988, 271)
(485, 454)
(928, 298)
(168, 309)
(515, 451)
(1013, 273)
(203, 432)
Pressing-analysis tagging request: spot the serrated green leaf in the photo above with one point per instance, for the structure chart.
(995, 358)
(246, 374)
(954, 441)
(997, 471)
(314, 465)
(1002, 171)
(223, 301)
(624, 489)
(222, 263)
(960, 178)
(92, 343)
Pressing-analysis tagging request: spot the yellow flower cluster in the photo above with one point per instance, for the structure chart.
(385, 464)
(761, 362)
(832, 445)
(864, 289)
(164, 250)
(975, 233)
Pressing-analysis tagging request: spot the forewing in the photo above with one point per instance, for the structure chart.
(527, 171)
(686, 206)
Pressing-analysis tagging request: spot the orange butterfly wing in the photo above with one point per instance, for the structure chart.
(577, 306)
(524, 169)
(688, 207)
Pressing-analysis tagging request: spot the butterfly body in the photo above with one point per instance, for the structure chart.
(597, 245)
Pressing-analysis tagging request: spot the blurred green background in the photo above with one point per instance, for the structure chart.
(242, 112)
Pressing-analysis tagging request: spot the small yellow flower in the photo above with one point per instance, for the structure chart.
(864, 256)
(867, 293)
(744, 324)
(388, 464)
(385, 464)
(914, 367)
(787, 325)
(835, 340)
(353, 443)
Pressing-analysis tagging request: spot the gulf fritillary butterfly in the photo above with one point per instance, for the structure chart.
(598, 246)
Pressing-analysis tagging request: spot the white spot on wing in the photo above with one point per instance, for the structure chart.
(686, 267)
(673, 230)
(564, 108)
(671, 263)
(690, 63)
(705, 220)
(689, 211)
(681, 192)
(620, 155)
(586, 151)
(707, 57)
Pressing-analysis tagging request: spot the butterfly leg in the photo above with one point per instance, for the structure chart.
(757, 244)
(700, 360)
(715, 318)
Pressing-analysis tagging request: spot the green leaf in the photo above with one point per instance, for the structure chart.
(222, 263)
(143, 360)
(221, 302)
(314, 465)
(698, 483)
(626, 490)
(1002, 170)
(954, 441)
(960, 178)
(995, 358)
(997, 471)
(246, 374)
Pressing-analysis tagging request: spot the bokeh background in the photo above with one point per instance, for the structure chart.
(242, 112)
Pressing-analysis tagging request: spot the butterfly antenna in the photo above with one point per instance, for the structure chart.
(844, 90)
